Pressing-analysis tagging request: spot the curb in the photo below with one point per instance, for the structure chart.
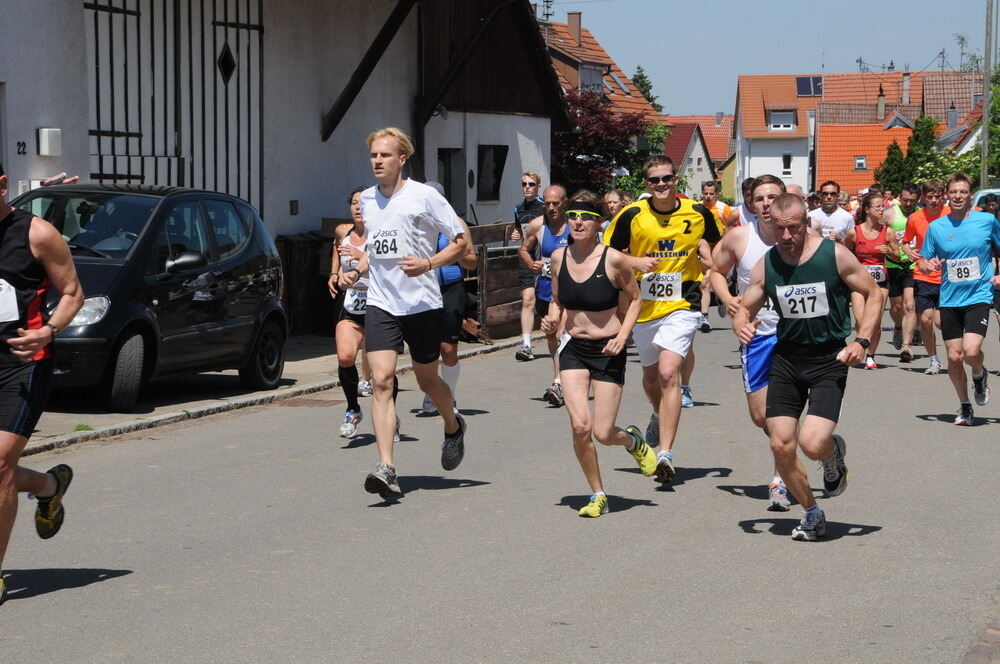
(65, 440)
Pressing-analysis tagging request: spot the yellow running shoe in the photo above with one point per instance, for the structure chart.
(598, 505)
(642, 453)
(3, 591)
(50, 511)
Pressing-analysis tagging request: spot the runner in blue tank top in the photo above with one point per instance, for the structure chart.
(960, 244)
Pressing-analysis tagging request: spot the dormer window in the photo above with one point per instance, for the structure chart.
(781, 120)
(592, 78)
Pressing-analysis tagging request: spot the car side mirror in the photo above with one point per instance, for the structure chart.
(188, 260)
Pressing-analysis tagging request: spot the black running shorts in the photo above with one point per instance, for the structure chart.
(347, 315)
(586, 354)
(421, 332)
(525, 277)
(926, 295)
(453, 313)
(900, 278)
(24, 390)
(958, 321)
(541, 307)
(803, 375)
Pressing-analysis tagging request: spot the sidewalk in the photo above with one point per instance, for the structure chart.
(310, 366)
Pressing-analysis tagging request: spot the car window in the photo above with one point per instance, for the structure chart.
(183, 230)
(228, 228)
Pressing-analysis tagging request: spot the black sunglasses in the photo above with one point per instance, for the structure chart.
(666, 179)
(529, 184)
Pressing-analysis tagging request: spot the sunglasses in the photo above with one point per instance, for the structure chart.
(582, 215)
(666, 179)
(829, 193)
(529, 184)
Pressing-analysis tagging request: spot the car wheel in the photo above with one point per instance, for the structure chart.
(126, 374)
(267, 359)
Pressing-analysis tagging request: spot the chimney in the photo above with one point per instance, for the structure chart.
(718, 119)
(892, 66)
(880, 106)
(906, 87)
(573, 21)
(952, 117)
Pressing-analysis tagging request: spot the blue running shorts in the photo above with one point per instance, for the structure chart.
(756, 361)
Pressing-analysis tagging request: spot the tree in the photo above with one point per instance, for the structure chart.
(921, 149)
(894, 171)
(601, 142)
(645, 86)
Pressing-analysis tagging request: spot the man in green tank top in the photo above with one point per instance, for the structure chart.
(901, 305)
(809, 281)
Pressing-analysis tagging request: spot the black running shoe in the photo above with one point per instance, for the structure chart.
(834, 469)
(50, 512)
(383, 481)
(453, 448)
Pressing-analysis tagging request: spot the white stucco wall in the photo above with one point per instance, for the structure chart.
(43, 83)
(527, 137)
(761, 156)
(694, 172)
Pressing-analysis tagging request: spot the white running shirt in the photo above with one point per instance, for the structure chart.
(405, 224)
(833, 225)
(754, 251)
(746, 216)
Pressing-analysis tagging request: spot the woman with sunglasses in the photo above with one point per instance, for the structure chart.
(588, 278)
(872, 242)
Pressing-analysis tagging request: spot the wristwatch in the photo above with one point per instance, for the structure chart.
(861, 341)
(55, 330)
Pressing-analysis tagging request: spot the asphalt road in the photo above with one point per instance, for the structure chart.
(247, 537)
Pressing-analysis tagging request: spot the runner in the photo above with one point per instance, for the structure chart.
(808, 280)
(592, 353)
(33, 258)
(530, 208)
(741, 249)
(926, 286)
(831, 220)
(872, 242)
(960, 244)
(665, 237)
(743, 214)
(550, 232)
(403, 219)
(721, 212)
(901, 306)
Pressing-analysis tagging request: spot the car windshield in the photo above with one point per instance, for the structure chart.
(95, 224)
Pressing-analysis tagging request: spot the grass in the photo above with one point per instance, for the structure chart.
(83, 427)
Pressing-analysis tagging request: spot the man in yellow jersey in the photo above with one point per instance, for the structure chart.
(668, 240)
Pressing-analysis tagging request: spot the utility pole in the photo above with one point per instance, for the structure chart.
(984, 134)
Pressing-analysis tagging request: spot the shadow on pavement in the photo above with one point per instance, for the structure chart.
(615, 503)
(759, 492)
(420, 414)
(360, 440)
(411, 483)
(834, 530)
(685, 474)
(949, 418)
(25, 583)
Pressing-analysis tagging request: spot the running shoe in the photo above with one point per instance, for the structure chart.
(811, 527)
(653, 431)
(383, 481)
(365, 388)
(834, 469)
(524, 354)
(964, 416)
(598, 505)
(3, 591)
(49, 513)
(664, 468)
(905, 355)
(777, 493)
(917, 339)
(453, 448)
(720, 309)
(933, 367)
(897, 338)
(641, 452)
(554, 394)
(981, 388)
(687, 401)
(870, 362)
(395, 435)
(352, 419)
(428, 406)
(705, 325)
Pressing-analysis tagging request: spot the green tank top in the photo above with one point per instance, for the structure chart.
(897, 223)
(811, 299)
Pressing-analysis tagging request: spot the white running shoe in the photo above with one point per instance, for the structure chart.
(428, 406)
(365, 388)
(934, 367)
(350, 426)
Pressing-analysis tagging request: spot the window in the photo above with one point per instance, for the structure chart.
(809, 86)
(781, 120)
(183, 230)
(699, 161)
(786, 164)
(492, 159)
(860, 163)
(690, 160)
(228, 228)
(591, 78)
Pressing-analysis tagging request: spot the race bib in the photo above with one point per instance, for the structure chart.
(661, 286)
(8, 303)
(388, 243)
(563, 340)
(356, 301)
(963, 269)
(547, 267)
(877, 272)
(803, 300)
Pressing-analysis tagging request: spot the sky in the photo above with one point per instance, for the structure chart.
(693, 51)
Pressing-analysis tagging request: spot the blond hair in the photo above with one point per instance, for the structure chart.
(533, 176)
(402, 140)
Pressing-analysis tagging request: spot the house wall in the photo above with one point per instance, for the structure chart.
(528, 139)
(694, 172)
(761, 156)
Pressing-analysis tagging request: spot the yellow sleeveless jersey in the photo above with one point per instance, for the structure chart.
(673, 237)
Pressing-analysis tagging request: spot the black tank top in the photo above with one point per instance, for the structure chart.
(597, 293)
(23, 284)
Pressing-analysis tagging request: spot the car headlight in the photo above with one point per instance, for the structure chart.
(91, 312)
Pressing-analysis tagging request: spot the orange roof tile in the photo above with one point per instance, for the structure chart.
(862, 87)
(758, 93)
(717, 137)
(838, 145)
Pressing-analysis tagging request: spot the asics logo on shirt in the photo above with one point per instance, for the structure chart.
(792, 290)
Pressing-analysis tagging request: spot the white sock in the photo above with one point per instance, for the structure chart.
(526, 339)
(450, 376)
(632, 446)
(814, 508)
(777, 480)
(600, 493)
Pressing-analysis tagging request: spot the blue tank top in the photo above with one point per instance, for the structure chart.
(550, 242)
(448, 274)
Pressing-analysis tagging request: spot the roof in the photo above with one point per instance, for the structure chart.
(717, 136)
(971, 122)
(758, 93)
(618, 88)
(859, 113)
(676, 145)
(838, 145)
(944, 88)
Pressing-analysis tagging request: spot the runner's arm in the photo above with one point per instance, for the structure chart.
(751, 302)
(892, 247)
(625, 280)
(550, 322)
(469, 260)
(526, 252)
(860, 281)
(723, 260)
(850, 239)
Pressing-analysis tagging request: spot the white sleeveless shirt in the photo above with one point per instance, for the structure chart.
(754, 251)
